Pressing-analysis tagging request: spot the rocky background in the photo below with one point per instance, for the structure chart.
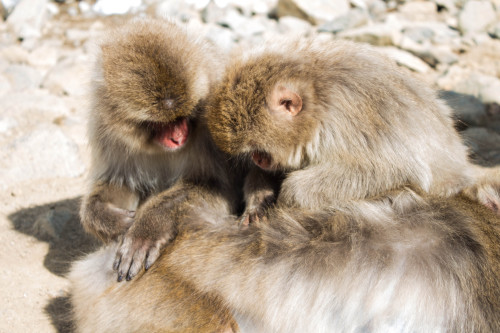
(46, 50)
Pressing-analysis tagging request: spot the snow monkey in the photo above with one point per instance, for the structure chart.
(371, 230)
(342, 113)
(153, 158)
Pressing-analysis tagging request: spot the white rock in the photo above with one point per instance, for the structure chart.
(419, 33)
(4, 85)
(452, 76)
(244, 26)
(84, 7)
(43, 153)
(356, 17)
(419, 10)
(28, 17)
(198, 4)
(293, 25)
(249, 7)
(33, 106)
(405, 59)
(7, 124)
(431, 54)
(178, 9)
(44, 57)
(224, 38)
(22, 77)
(15, 54)
(77, 36)
(70, 76)
(9, 4)
(314, 11)
(113, 7)
(476, 16)
(378, 34)
(484, 87)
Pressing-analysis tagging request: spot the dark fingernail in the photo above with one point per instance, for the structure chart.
(120, 278)
(129, 277)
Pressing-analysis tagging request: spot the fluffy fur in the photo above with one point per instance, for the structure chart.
(365, 126)
(399, 260)
(150, 84)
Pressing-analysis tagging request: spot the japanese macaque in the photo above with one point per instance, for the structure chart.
(153, 160)
(342, 121)
(151, 151)
(370, 231)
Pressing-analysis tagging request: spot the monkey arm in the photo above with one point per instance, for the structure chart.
(260, 192)
(108, 210)
(486, 188)
(156, 223)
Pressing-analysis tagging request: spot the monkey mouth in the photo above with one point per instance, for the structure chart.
(262, 160)
(173, 135)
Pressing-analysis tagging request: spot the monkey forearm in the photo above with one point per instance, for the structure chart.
(108, 210)
(157, 221)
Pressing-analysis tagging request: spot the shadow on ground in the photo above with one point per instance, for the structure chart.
(58, 224)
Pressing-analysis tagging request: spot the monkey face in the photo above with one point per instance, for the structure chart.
(148, 84)
(263, 110)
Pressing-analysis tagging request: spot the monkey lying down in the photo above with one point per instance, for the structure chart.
(369, 232)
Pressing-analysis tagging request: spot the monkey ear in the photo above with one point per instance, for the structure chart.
(285, 101)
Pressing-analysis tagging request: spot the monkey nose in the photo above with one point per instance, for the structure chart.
(168, 103)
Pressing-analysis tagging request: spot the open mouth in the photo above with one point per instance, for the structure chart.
(262, 160)
(173, 135)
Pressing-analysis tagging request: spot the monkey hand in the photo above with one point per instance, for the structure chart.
(257, 205)
(142, 245)
(486, 189)
(105, 220)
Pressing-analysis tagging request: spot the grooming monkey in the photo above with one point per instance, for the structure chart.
(341, 113)
(398, 260)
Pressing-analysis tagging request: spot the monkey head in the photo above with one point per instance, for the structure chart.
(151, 78)
(264, 109)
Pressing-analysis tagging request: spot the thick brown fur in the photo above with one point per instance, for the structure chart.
(363, 127)
(403, 262)
(151, 76)
(370, 233)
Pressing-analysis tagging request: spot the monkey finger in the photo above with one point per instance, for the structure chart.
(116, 263)
(136, 264)
(153, 254)
(125, 258)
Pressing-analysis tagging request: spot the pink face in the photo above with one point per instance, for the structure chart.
(173, 135)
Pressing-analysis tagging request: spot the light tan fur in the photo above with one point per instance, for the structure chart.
(365, 126)
(370, 232)
(151, 81)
